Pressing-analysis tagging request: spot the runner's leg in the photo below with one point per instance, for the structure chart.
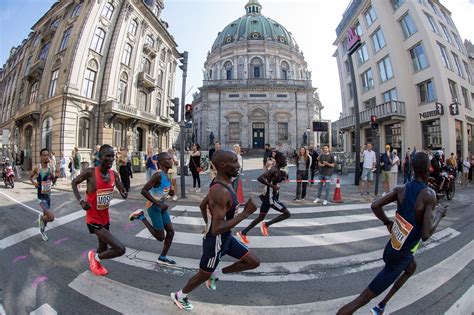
(285, 214)
(158, 234)
(248, 262)
(116, 247)
(168, 239)
(360, 301)
(409, 271)
(256, 221)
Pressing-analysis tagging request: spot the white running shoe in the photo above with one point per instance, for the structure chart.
(198, 190)
(175, 198)
(325, 202)
(316, 200)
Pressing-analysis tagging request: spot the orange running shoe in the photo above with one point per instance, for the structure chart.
(94, 265)
(264, 228)
(102, 270)
(242, 237)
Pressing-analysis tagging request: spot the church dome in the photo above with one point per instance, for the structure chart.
(254, 26)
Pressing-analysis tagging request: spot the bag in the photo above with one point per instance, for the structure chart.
(199, 169)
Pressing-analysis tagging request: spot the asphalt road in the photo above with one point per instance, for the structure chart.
(311, 264)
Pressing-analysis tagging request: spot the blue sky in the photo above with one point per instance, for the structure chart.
(195, 24)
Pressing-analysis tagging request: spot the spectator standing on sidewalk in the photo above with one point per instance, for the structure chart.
(326, 165)
(314, 162)
(212, 168)
(18, 165)
(151, 163)
(195, 166)
(173, 172)
(466, 168)
(267, 154)
(406, 167)
(122, 161)
(62, 166)
(303, 163)
(238, 152)
(386, 163)
(95, 156)
(368, 168)
(394, 169)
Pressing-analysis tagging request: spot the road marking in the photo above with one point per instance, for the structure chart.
(464, 305)
(2, 310)
(284, 271)
(117, 296)
(44, 309)
(21, 203)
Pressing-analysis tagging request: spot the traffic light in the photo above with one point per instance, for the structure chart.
(373, 122)
(184, 61)
(174, 108)
(188, 114)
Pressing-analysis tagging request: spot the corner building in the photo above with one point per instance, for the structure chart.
(257, 88)
(90, 72)
(412, 71)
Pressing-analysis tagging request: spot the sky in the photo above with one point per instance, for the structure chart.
(195, 24)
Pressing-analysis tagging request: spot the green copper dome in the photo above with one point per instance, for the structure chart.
(254, 26)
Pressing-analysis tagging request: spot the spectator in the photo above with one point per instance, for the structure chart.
(267, 154)
(95, 156)
(386, 163)
(195, 166)
(367, 176)
(173, 171)
(406, 167)
(122, 162)
(62, 166)
(314, 162)
(217, 146)
(466, 168)
(18, 165)
(151, 162)
(212, 169)
(77, 160)
(326, 168)
(238, 152)
(394, 169)
(303, 163)
(471, 169)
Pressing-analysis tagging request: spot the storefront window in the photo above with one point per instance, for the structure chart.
(459, 148)
(431, 134)
(393, 137)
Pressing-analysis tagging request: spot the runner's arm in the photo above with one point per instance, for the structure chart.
(155, 180)
(266, 178)
(203, 207)
(119, 185)
(33, 174)
(76, 181)
(377, 207)
(429, 223)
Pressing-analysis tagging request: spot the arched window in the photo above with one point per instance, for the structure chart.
(150, 41)
(127, 54)
(76, 11)
(256, 68)
(84, 125)
(98, 40)
(88, 85)
(146, 65)
(123, 87)
(163, 54)
(284, 70)
(158, 105)
(132, 29)
(142, 100)
(44, 51)
(228, 70)
(34, 92)
(108, 10)
(47, 133)
(118, 135)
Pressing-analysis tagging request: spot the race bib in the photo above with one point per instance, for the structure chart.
(400, 231)
(103, 198)
(45, 187)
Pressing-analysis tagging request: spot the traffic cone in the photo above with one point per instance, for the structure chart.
(240, 192)
(337, 193)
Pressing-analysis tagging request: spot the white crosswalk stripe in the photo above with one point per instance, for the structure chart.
(464, 305)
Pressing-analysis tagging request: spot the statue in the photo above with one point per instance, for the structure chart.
(305, 139)
(211, 138)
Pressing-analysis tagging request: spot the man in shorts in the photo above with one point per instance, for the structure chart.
(413, 221)
(156, 190)
(221, 202)
(43, 177)
(101, 181)
(368, 168)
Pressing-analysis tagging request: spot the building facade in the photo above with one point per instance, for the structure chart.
(90, 72)
(257, 88)
(412, 71)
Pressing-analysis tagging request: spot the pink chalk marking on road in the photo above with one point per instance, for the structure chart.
(84, 253)
(58, 242)
(18, 258)
(127, 226)
(38, 280)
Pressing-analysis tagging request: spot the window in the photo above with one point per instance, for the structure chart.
(367, 80)
(432, 23)
(234, 131)
(123, 87)
(34, 92)
(358, 29)
(44, 51)
(98, 40)
(453, 89)
(127, 54)
(52, 83)
(396, 4)
(28, 64)
(282, 131)
(408, 26)
(285, 68)
(363, 54)
(88, 84)
(158, 105)
(107, 11)
(426, 91)
(47, 134)
(84, 127)
(390, 95)
(132, 28)
(422, 2)
(378, 40)
(434, 7)
(228, 70)
(256, 66)
(468, 73)
(444, 56)
(458, 65)
(349, 88)
(385, 69)
(370, 16)
(458, 43)
(146, 65)
(446, 34)
(118, 132)
(465, 97)
(142, 100)
(65, 39)
(163, 54)
(76, 11)
(160, 78)
(150, 41)
(418, 57)
(370, 103)
(54, 25)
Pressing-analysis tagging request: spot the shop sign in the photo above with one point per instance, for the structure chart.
(454, 109)
(430, 113)
(353, 40)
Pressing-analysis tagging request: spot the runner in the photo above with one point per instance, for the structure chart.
(155, 191)
(270, 198)
(413, 221)
(101, 181)
(43, 178)
(218, 240)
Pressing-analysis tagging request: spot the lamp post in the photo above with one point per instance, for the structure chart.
(184, 67)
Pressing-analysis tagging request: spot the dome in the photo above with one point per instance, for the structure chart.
(254, 26)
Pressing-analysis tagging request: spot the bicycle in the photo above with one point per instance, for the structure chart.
(205, 163)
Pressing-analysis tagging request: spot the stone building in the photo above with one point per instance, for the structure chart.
(256, 88)
(90, 72)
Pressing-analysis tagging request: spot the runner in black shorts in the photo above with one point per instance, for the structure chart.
(270, 198)
(413, 221)
(218, 240)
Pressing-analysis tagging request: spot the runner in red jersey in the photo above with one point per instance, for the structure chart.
(101, 181)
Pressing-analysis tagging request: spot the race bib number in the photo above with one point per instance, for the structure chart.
(103, 198)
(45, 187)
(400, 231)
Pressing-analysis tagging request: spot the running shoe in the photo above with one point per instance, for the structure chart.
(94, 265)
(183, 303)
(377, 310)
(211, 283)
(102, 269)
(264, 228)
(42, 227)
(136, 215)
(175, 198)
(242, 237)
(166, 261)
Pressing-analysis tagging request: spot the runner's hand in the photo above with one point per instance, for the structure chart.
(389, 226)
(85, 205)
(250, 207)
(442, 210)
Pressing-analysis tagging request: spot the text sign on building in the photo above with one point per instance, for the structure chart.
(454, 109)
(440, 108)
(430, 113)
(320, 126)
(353, 40)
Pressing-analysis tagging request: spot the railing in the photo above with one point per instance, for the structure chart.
(388, 109)
(259, 82)
(149, 50)
(36, 69)
(146, 80)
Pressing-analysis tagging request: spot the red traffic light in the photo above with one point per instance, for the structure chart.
(188, 107)
(373, 119)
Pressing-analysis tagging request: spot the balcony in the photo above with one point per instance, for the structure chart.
(145, 80)
(49, 33)
(149, 50)
(127, 111)
(394, 110)
(258, 83)
(36, 70)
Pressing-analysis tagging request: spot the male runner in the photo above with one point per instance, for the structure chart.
(270, 198)
(155, 191)
(413, 220)
(43, 177)
(218, 240)
(101, 181)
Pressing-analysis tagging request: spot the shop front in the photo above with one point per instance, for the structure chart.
(431, 130)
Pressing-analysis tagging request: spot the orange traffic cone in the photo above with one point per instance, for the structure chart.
(240, 192)
(337, 193)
